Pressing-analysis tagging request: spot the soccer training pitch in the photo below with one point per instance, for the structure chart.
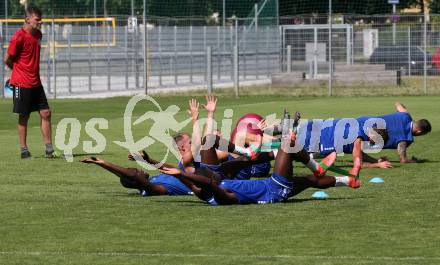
(55, 212)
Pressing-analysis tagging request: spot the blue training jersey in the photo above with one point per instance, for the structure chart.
(339, 135)
(173, 185)
(312, 131)
(399, 128)
(320, 134)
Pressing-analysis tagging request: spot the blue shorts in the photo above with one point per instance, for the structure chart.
(270, 190)
(214, 168)
(260, 170)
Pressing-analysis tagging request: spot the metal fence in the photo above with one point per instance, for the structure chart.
(80, 58)
(400, 52)
(87, 59)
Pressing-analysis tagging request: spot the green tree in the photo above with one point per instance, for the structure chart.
(434, 6)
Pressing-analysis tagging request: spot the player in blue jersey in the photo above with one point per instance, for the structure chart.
(349, 136)
(277, 188)
(402, 129)
(133, 178)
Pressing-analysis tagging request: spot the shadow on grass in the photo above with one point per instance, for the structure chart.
(295, 200)
(60, 156)
(157, 199)
(92, 154)
(186, 200)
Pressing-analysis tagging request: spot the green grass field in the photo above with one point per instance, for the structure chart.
(54, 212)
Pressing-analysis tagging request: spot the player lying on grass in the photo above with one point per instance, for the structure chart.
(167, 184)
(164, 184)
(277, 188)
(327, 142)
(400, 128)
(400, 131)
(133, 178)
(332, 135)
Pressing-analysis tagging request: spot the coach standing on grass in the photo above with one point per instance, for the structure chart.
(23, 58)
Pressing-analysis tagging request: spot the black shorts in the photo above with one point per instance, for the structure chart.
(27, 100)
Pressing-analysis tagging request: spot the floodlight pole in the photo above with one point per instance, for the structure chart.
(54, 73)
(425, 72)
(330, 79)
(94, 8)
(224, 13)
(105, 8)
(256, 16)
(394, 24)
(6, 16)
(145, 47)
(2, 70)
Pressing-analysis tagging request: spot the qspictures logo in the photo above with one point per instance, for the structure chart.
(315, 135)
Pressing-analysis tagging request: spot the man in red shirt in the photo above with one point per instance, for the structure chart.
(23, 58)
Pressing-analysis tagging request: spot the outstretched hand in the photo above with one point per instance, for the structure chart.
(193, 110)
(144, 155)
(384, 164)
(211, 103)
(170, 171)
(92, 160)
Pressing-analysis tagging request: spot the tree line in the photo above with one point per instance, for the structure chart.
(205, 8)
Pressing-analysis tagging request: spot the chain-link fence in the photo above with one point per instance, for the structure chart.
(81, 56)
(400, 53)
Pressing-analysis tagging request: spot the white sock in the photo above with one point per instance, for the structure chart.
(342, 181)
(312, 165)
(241, 151)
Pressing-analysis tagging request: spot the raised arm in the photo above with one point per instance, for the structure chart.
(211, 104)
(400, 107)
(196, 137)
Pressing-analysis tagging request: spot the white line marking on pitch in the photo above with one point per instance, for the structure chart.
(182, 255)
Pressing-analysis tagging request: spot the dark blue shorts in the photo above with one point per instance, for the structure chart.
(260, 170)
(270, 190)
(214, 168)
